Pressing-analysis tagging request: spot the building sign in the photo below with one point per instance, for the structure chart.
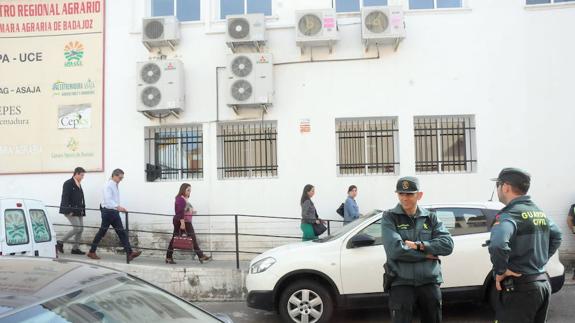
(52, 85)
(304, 126)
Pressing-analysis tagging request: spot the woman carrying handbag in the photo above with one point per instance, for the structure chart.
(182, 222)
(311, 225)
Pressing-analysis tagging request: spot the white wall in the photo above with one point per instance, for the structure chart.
(511, 67)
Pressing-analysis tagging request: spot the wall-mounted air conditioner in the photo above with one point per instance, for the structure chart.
(160, 86)
(316, 28)
(250, 80)
(160, 32)
(382, 25)
(247, 29)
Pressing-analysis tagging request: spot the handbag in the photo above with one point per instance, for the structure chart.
(340, 209)
(318, 228)
(183, 242)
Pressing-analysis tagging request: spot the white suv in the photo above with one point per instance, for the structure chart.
(305, 281)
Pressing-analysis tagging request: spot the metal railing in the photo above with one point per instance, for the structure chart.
(236, 231)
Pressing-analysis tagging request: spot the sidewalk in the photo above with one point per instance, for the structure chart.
(216, 280)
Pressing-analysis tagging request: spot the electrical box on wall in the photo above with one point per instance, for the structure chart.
(160, 32)
(250, 80)
(160, 87)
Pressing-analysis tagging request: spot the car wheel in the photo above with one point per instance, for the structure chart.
(305, 301)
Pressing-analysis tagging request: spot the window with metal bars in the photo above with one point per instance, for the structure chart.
(247, 150)
(445, 144)
(174, 153)
(367, 146)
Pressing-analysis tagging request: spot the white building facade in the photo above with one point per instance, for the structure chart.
(473, 88)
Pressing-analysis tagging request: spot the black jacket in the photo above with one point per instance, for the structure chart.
(72, 199)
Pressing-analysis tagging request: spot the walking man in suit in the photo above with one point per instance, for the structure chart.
(73, 206)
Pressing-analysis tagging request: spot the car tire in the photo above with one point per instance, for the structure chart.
(305, 298)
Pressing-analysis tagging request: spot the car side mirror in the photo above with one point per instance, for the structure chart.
(362, 240)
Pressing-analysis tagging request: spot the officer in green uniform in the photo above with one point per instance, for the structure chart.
(413, 239)
(523, 239)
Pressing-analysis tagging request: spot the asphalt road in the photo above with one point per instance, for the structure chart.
(561, 310)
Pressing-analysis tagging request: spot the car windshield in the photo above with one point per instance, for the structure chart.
(122, 299)
(346, 228)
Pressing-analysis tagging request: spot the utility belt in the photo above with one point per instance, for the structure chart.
(511, 284)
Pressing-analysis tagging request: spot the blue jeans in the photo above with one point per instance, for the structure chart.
(111, 217)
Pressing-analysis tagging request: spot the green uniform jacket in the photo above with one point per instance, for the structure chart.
(411, 266)
(523, 238)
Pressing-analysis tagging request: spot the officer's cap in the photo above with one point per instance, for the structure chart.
(407, 184)
(514, 177)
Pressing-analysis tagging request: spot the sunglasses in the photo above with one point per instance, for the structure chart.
(499, 183)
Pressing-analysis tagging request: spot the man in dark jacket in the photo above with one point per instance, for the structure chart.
(413, 238)
(522, 240)
(73, 207)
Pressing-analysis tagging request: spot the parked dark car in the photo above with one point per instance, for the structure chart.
(57, 290)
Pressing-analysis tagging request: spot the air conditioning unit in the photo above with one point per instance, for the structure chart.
(316, 27)
(160, 32)
(245, 30)
(160, 87)
(250, 80)
(382, 25)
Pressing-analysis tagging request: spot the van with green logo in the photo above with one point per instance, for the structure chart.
(25, 229)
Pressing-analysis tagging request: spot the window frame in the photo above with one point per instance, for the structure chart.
(470, 149)
(550, 3)
(394, 150)
(218, 10)
(250, 165)
(453, 209)
(463, 6)
(45, 222)
(23, 213)
(151, 151)
(361, 5)
(200, 19)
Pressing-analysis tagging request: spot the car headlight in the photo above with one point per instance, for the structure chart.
(262, 265)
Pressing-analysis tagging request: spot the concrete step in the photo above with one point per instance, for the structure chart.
(216, 280)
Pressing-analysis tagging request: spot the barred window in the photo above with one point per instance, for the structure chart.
(247, 150)
(174, 153)
(367, 146)
(445, 144)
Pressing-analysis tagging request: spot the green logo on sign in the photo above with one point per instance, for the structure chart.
(73, 52)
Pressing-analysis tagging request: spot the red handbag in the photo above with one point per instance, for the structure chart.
(183, 242)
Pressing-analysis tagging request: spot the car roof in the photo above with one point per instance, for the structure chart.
(25, 281)
(491, 205)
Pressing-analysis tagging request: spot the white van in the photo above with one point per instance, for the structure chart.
(25, 228)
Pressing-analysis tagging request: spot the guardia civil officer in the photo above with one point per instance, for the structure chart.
(413, 238)
(522, 240)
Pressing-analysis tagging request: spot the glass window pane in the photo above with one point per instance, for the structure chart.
(540, 1)
(231, 7)
(374, 231)
(16, 230)
(117, 300)
(368, 3)
(40, 226)
(162, 8)
(561, 1)
(347, 5)
(260, 6)
(420, 4)
(188, 10)
(462, 221)
(449, 4)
